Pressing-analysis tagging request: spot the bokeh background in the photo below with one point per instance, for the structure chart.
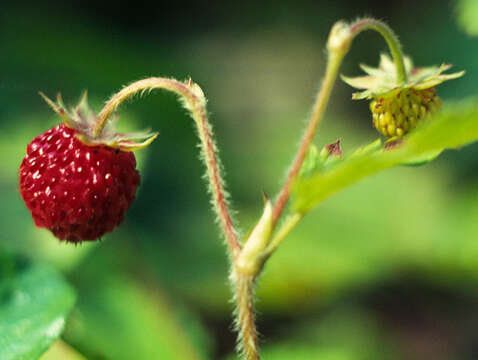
(387, 269)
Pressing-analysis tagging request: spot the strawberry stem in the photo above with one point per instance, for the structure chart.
(194, 101)
(247, 345)
(318, 110)
(390, 37)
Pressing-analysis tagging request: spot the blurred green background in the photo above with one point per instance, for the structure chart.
(387, 269)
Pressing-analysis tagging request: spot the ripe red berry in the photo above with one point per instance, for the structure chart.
(76, 184)
(78, 192)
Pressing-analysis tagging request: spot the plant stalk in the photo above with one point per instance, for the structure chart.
(247, 343)
(392, 41)
(194, 101)
(333, 63)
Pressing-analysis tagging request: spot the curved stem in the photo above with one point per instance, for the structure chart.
(245, 322)
(194, 101)
(390, 37)
(333, 64)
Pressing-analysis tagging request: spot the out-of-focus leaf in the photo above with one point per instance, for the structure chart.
(117, 318)
(61, 350)
(34, 303)
(455, 126)
(467, 13)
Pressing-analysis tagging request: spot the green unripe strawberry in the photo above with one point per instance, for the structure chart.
(397, 108)
(395, 116)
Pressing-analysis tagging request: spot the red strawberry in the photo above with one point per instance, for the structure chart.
(78, 189)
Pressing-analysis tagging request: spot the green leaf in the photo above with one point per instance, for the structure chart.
(456, 125)
(61, 350)
(424, 158)
(117, 318)
(34, 303)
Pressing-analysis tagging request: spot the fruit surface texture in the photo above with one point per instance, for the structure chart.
(395, 116)
(78, 192)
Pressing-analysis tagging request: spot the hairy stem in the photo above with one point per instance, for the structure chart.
(390, 37)
(338, 45)
(194, 101)
(322, 98)
(245, 323)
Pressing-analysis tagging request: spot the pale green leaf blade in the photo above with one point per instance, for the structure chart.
(34, 303)
(423, 158)
(131, 321)
(362, 82)
(467, 11)
(61, 350)
(455, 126)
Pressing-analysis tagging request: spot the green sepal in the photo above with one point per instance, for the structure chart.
(315, 160)
(310, 161)
(83, 119)
(382, 81)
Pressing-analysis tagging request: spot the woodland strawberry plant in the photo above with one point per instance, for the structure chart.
(79, 178)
